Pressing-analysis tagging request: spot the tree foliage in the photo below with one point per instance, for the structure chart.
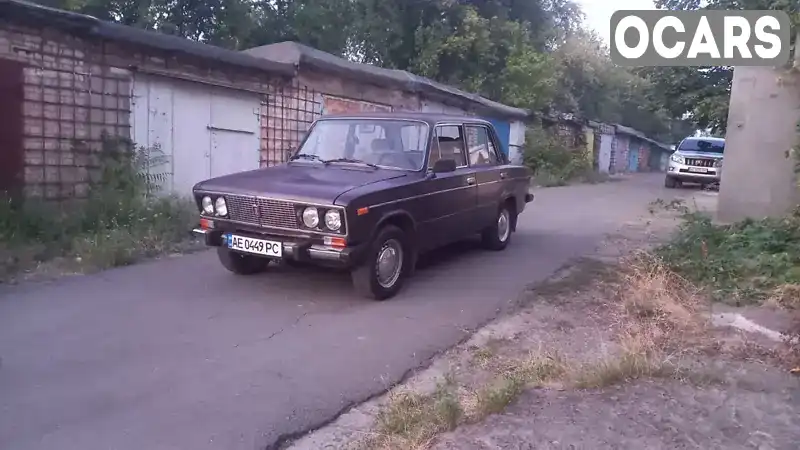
(703, 93)
(533, 54)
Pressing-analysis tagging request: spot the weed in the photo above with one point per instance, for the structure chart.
(556, 163)
(122, 220)
(517, 375)
(481, 356)
(412, 420)
(659, 314)
(625, 367)
(497, 396)
(748, 261)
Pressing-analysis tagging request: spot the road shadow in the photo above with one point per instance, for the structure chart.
(434, 258)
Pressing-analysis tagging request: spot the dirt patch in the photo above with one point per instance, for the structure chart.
(652, 414)
(608, 353)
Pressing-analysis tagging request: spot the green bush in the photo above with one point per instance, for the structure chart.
(748, 261)
(553, 162)
(122, 220)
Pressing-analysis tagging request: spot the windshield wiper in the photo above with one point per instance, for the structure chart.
(350, 160)
(306, 156)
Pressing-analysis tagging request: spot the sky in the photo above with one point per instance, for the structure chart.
(598, 12)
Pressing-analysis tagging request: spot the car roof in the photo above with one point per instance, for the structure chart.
(430, 118)
(700, 138)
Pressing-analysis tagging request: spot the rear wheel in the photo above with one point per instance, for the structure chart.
(386, 265)
(241, 264)
(497, 236)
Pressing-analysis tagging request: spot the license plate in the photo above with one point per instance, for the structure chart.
(257, 246)
(698, 169)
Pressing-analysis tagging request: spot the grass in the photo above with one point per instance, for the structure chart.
(121, 222)
(518, 375)
(657, 315)
(411, 421)
(546, 178)
(752, 261)
(659, 306)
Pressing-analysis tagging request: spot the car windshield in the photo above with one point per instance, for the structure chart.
(396, 144)
(703, 146)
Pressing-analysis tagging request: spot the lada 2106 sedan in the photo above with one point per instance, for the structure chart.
(368, 193)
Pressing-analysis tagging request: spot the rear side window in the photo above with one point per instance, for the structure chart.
(702, 145)
(481, 148)
(448, 144)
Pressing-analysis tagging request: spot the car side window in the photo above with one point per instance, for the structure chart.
(448, 144)
(482, 151)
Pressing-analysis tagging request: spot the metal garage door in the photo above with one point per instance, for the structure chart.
(203, 131)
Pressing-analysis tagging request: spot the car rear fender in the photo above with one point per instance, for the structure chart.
(516, 204)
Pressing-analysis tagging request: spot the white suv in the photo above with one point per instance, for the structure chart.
(696, 160)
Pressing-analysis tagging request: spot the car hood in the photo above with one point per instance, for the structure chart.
(698, 155)
(302, 182)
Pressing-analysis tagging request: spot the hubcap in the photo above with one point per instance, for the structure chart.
(389, 263)
(503, 225)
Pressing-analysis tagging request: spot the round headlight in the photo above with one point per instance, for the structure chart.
(222, 208)
(208, 205)
(311, 217)
(333, 220)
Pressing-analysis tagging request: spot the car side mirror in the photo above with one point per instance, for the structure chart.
(444, 166)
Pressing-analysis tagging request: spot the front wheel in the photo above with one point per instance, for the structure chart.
(671, 183)
(497, 236)
(386, 265)
(241, 264)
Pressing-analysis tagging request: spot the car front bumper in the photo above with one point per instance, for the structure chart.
(690, 174)
(300, 249)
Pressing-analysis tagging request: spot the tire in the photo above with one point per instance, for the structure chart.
(497, 236)
(241, 264)
(671, 183)
(367, 282)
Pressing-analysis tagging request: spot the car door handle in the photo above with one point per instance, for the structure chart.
(503, 175)
(470, 180)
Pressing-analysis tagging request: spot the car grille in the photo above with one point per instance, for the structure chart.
(261, 211)
(700, 162)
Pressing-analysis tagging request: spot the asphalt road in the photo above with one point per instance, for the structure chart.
(180, 354)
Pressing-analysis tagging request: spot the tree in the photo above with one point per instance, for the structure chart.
(531, 54)
(703, 94)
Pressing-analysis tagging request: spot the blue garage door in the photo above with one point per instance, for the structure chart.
(503, 129)
(633, 156)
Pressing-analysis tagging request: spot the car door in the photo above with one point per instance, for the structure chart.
(450, 198)
(490, 171)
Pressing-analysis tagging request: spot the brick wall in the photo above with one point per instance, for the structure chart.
(286, 114)
(71, 96)
(644, 157)
(75, 90)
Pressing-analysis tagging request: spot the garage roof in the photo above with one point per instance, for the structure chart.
(20, 11)
(301, 55)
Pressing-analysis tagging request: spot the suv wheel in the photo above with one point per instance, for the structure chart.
(671, 183)
(386, 265)
(241, 264)
(497, 236)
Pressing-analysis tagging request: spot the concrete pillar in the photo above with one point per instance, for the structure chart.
(758, 177)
